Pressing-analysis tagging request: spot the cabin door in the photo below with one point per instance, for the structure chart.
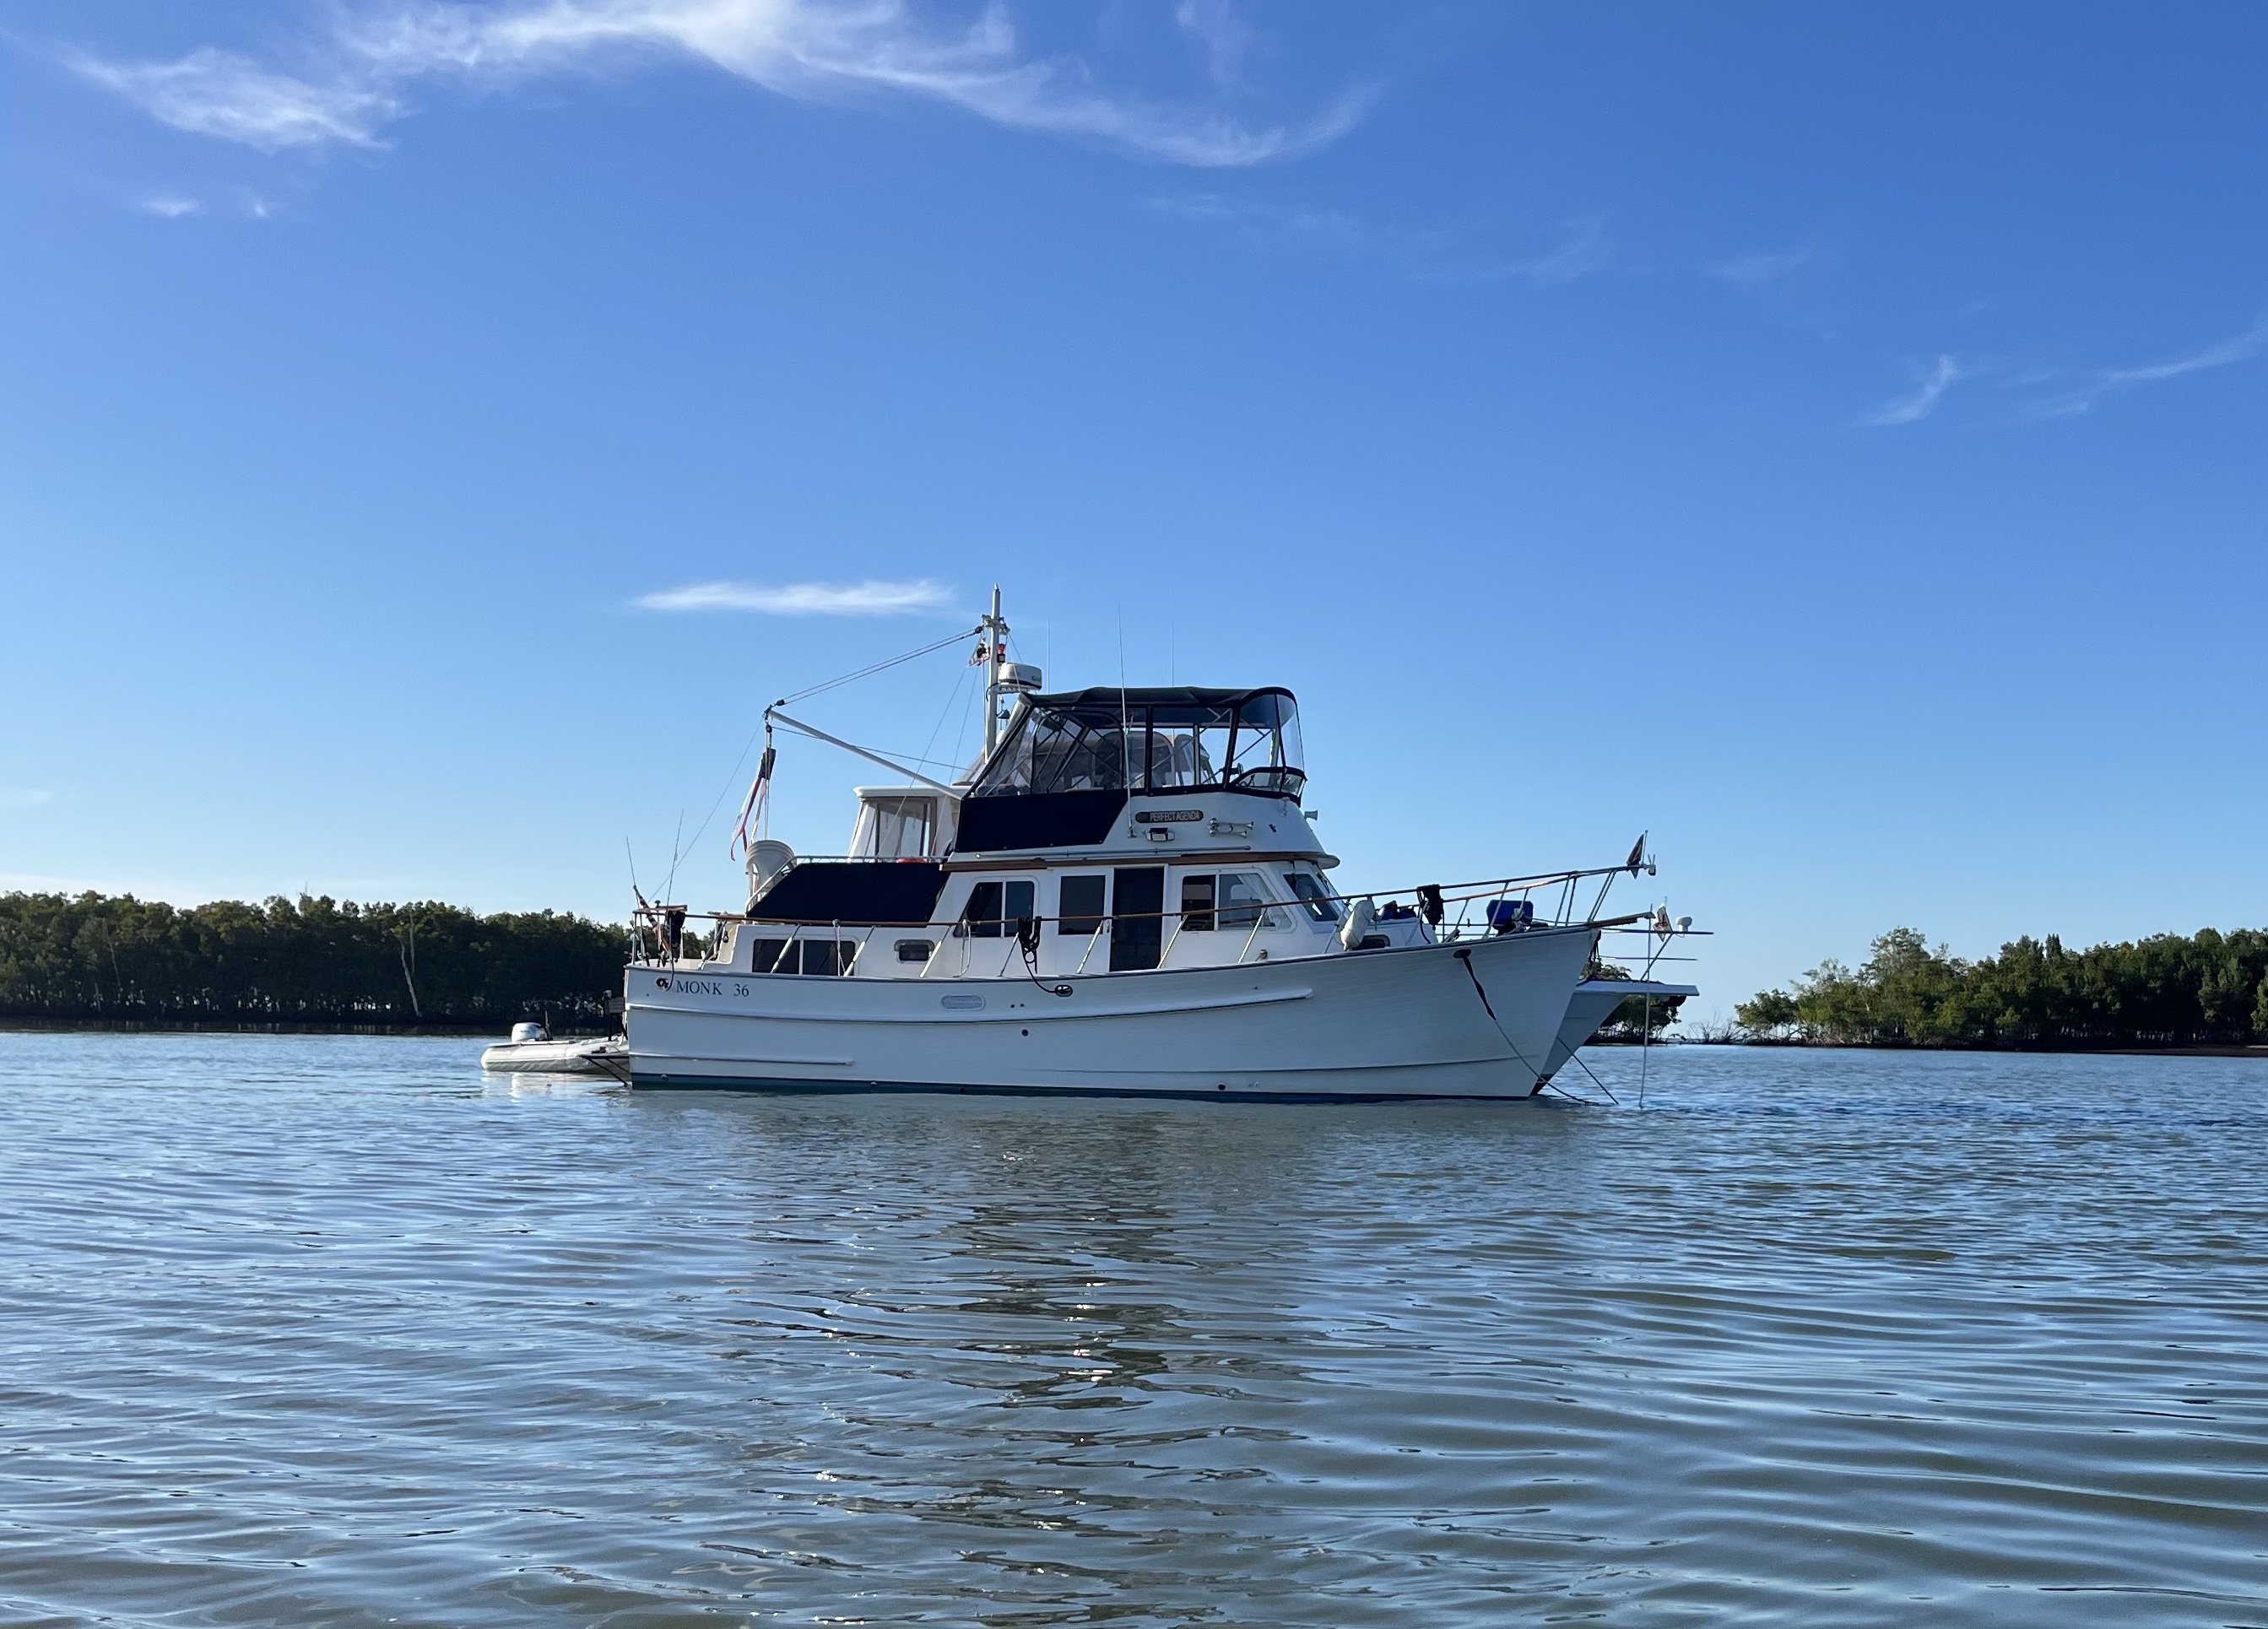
(1137, 896)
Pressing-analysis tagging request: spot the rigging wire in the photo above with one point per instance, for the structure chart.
(732, 779)
(953, 638)
(676, 851)
(1577, 1058)
(943, 714)
(961, 738)
(733, 775)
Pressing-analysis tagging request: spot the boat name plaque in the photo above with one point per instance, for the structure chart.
(1167, 817)
(700, 986)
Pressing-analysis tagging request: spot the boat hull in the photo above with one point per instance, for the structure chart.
(1594, 1003)
(1382, 1024)
(599, 1056)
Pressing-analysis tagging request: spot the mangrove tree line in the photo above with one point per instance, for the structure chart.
(91, 957)
(2210, 988)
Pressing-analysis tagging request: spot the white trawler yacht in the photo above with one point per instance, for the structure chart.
(1123, 895)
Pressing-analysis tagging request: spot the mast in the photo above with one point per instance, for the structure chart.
(996, 631)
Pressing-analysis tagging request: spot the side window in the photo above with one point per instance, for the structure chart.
(993, 907)
(768, 956)
(982, 919)
(824, 958)
(915, 950)
(1079, 909)
(1310, 892)
(1196, 904)
(1244, 901)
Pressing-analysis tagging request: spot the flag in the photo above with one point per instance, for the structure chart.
(752, 811)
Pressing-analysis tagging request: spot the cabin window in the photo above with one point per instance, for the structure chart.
(1079, 750)
(1268, 751)
(1311, 893)
(896, 828)
(1244, 901)
(1189, 747)
(825, 957)
(768, 955)
(1234, 899)
(1080, 907)
(993, 906)
(1196, 904)
(916, 950)
(1158, 740)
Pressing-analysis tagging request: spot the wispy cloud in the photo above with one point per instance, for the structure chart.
(180, 206)
(220, 93)
(2081, 398)
(808, 48)
(867, 599)
(1266, 220)
(24, 797)
(1752, 271)
(1582, 249)
(1227, 39)
(1434, 254)
(1918, 405)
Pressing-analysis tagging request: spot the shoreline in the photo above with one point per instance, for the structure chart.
(463, 1029)
(2201, 1049)
(496, 1028)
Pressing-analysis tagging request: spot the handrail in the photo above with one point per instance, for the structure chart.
(1006, 925)
(1260, 913)
(863, 933)
(1453, 894)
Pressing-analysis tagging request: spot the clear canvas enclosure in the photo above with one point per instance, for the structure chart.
(902, 827)
(1150, 741)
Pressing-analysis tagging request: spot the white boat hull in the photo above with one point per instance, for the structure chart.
(1404, 1024)
(1594, 1003)
(604, 1056)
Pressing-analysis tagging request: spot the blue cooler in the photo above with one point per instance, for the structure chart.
(1505, 916)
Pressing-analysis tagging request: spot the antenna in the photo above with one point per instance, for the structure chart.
(676, 850)
(996, 628)
(1125, 738)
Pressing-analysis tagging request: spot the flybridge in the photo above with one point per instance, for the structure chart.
(1146, 741)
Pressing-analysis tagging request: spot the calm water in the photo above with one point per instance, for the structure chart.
(333, 1331)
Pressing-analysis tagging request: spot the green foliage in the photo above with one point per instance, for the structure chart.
(1773, 1012)
(1635, 1018)
(2166, 991)
(308, 960)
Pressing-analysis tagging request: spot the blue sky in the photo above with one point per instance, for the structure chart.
(1828, 437)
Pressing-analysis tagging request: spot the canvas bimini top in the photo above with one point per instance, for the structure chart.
(1178, 737)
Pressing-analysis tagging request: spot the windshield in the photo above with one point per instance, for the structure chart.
(1103, 743)
(1311, 893)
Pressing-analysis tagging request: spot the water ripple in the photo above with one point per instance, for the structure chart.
(333, 1331)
